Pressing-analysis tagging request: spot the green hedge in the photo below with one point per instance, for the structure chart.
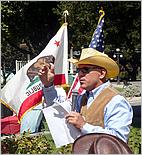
(135, 140)
(27, 144)
(43, 144)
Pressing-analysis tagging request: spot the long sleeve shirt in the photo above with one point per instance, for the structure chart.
(118, 112)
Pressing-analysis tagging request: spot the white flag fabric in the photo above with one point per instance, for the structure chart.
(24, 91)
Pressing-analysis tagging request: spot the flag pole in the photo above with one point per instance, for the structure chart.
(66, 13)
(71, 64)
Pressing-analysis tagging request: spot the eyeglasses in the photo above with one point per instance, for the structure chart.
(86, 70)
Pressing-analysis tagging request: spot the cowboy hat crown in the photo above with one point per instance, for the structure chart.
(91, 56)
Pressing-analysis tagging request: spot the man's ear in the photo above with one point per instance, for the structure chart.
(103, 74)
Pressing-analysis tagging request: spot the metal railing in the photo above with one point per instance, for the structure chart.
(20, 64)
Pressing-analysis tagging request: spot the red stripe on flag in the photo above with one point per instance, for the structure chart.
(37, 97)
(73, 86)
(29, 103)
(59, 79)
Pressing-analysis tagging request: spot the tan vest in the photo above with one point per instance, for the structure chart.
(95, 113)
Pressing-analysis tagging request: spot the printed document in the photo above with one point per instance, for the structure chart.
(62, 132)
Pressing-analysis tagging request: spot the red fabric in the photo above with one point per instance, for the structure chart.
(32, 100)
(75, 85)
(29, 102)
(59, 79)
(10, 125)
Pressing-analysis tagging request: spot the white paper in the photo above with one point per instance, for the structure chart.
(62, 132)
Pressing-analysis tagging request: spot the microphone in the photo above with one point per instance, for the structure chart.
(74, 99)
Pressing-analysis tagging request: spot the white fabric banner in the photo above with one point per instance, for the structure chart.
(24, 91)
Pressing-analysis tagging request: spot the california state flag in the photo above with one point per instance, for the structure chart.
(23, 92)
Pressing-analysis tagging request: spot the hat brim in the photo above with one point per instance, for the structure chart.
(100, 143)
(102, 61)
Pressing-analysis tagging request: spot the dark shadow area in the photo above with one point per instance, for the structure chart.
(136, 116)
(5, 112)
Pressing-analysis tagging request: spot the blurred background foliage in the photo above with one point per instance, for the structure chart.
(34, 23)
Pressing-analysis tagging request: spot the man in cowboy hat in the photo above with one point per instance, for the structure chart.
(101, 109)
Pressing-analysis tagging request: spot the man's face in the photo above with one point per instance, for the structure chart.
(90, 76)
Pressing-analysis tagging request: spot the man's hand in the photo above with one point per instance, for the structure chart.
(46, 75)
(76, 119)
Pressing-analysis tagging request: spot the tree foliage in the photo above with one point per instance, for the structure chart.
(32, 23)
(36, 22)
(121, 30)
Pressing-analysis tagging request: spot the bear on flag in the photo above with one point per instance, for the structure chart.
(24, 91)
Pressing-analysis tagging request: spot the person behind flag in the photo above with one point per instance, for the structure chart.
(101, 109)
(32, 119)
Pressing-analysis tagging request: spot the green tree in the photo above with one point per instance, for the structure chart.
(122, 28)
(35, 23)
(23, 21)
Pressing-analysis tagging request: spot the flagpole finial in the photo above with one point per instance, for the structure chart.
(101, 8)
(102, 14)
(66, 13)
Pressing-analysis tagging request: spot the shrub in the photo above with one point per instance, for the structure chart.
(132, 91)
(135, 140)
(27, 144)
(44, 144)
(129, 91)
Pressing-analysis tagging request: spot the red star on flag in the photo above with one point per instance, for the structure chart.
(57, 43)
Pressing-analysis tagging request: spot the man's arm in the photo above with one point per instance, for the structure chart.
(51, 93)
(54, 95)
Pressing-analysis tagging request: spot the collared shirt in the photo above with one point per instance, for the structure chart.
(118, 115)
(118, 112)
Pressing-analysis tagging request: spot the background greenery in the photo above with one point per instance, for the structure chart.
(36, 22)
(44, 144)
